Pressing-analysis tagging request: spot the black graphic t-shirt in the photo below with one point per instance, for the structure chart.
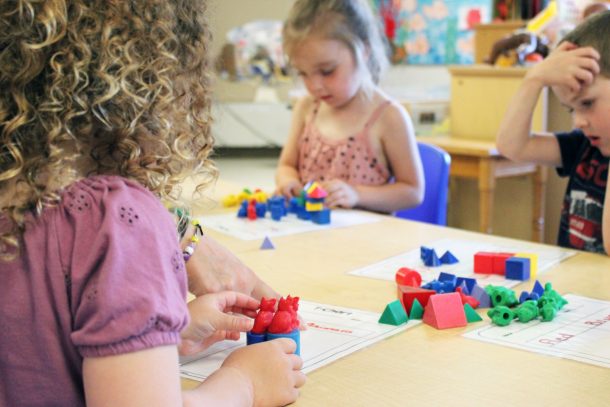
(583, 204)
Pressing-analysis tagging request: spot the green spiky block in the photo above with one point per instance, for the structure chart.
(394, 314)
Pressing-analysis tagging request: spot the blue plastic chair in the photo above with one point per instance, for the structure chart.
(433, 209)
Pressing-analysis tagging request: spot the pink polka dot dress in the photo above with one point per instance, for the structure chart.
(351, 159)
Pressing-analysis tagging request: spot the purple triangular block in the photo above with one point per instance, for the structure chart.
(267, 244)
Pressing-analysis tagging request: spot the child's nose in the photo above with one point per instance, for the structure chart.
(580, 121)
(315, 83)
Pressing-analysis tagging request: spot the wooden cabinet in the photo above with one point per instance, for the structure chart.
(479, 98)
(485, 36)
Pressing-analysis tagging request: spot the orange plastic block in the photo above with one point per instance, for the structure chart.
(499, 262)
(483, 262)
(445, 311)
(407, 295)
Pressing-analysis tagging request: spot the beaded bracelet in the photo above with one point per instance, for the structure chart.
(190, 248)
(183, 220)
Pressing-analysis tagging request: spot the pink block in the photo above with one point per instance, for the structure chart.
(445, 311)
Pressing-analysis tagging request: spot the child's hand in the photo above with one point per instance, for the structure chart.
(290, 189)
(568, 67)
(273, 370)
(340, 194)
(210, 321)
(213, 268)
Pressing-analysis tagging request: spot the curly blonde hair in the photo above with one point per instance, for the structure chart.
(114, 86)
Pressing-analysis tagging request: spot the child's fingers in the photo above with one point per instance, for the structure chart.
(299, 378)
(233, 323)
(296, 361)
(285, 344)
(230, 299)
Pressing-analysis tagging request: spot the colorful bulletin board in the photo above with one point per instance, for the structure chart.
(428, 32)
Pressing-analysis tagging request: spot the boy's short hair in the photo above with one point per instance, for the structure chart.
(594, 32)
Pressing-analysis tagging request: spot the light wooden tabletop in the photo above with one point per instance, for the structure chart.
(422, 366)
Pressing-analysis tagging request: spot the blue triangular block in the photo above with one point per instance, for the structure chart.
(538, 288)
(432, 259)
(449, 258)
(267, 245)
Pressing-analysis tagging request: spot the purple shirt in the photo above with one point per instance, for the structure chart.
(99, 274)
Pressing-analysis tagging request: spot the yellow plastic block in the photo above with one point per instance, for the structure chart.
(312, 187)
(533, 263)
(313, 207)
(243, 196)
(229, 200)
(260, 197)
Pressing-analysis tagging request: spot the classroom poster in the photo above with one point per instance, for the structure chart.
(426, 32)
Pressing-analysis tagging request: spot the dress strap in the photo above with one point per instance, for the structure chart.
(376, 113)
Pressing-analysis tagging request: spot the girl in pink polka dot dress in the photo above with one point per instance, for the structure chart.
(347, 133)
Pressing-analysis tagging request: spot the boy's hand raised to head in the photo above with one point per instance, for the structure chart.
(567, 69)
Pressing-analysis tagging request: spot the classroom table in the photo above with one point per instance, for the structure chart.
(422, 366)
(480, 160)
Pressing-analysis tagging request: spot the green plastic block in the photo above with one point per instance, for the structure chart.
(417, 311)
(471, 314)
(394, 314)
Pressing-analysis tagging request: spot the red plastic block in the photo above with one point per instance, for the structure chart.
(483, 262)
(499, 262)
(445, 311)
(407, 295)
(407, 276)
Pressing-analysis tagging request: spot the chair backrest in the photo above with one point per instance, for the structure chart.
(433, 209)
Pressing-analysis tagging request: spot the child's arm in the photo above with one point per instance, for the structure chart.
(213, 268)
(263, 374)
(400, 148)
(567, 68)
(287, 174)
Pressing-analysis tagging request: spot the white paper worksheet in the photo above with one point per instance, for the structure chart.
(332, 332)
(464, 250)
(580, 331)
(246, 229)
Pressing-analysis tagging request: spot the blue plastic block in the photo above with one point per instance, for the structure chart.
(252, 338)
(242, 212)
(432, 259)
(424, 253)
(538, 289)
(440, 287)
(303, 214)
(468, 281)
(321, 217)
(525, 296)
(481, 295)
(518, 268)
(449, 279)
(449, 258)
(276, 213)
(294, 205)
(261, 209)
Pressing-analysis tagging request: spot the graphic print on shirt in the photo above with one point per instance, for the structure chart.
(585, 221)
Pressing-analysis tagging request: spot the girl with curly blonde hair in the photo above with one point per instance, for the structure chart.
(104, 110)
